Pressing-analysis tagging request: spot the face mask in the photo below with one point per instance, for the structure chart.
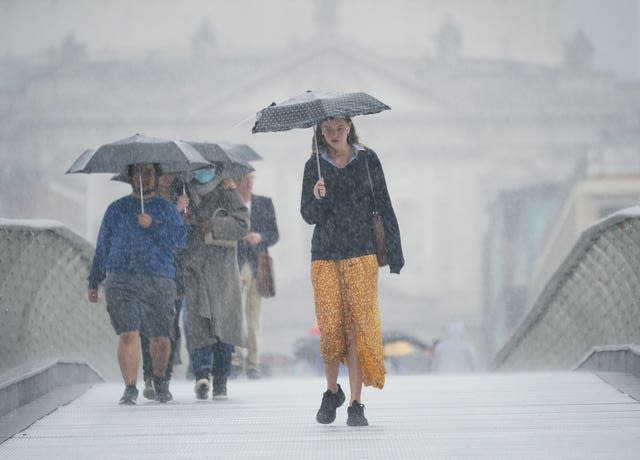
(204, 175)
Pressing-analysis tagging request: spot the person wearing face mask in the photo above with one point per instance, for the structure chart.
(218, 218)
(135, 254)
(344, 267)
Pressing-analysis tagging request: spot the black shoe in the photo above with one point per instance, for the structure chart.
(253, 373)
(219, 388)
(129, 396)
(355, 415)
(161, 385)
(202, 388)
(330, 402)
(164, 396)
(148, 392)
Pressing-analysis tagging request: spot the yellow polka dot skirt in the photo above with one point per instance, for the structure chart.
(345, 294)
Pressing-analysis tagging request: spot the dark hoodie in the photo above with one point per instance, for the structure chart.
(342, 218)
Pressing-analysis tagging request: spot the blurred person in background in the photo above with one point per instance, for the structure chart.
(218, 218)
(168, 189)
(263, 233)
(453, 353)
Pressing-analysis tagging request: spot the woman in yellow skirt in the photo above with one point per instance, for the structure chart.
(344, 267)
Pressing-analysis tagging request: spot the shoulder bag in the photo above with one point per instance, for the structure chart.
(377, 224)
(265, 281)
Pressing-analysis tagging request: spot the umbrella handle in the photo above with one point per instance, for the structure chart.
(141, 194)
(184, 192)
(315, 141)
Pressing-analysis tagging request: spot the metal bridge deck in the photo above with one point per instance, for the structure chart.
(564, 415)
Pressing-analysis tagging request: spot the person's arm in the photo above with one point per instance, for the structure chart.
(268, 228)
(98, 273)
(312, 209)
(385, 207)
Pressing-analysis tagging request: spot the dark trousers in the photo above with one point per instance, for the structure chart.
(145, 345)
(214, 359)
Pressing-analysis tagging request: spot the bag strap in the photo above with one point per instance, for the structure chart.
(258, 248)
(373, 194)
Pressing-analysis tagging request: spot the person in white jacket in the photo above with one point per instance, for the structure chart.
(454, 353)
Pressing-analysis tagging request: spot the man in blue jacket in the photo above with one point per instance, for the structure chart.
(134, 252)
(263, 232)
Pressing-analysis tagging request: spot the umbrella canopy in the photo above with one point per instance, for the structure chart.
(243, 151)
(173, 156)
(81, 162)
(230, 155)
(311, 108)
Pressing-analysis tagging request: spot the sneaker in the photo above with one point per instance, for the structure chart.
(219, 388)
(129, 396)
(202, 389)
(148, 392)
(330, 402)
(164, 396)
(355, 415)
(161, 385)
(253, 373)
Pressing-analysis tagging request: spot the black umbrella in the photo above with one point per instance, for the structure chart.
(311, 108)
(173, 156)
(230, 155)
(114, 157)
(243, 151)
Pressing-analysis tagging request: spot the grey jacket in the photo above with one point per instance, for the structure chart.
(212, 280)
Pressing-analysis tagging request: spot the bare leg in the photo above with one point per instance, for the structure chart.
(331, 374)
(160, 353)
(129, 356)
(355, 373)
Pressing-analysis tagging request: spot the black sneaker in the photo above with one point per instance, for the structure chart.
(330, 402)
(219, 388)
(355, 415)
(164, 396)
(148, 392)
(129, 396)
(161, 385)
(202, 388)
(253, 373)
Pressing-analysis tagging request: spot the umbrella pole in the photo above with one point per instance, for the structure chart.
(184, 192)
(315, 141)
(141, 194)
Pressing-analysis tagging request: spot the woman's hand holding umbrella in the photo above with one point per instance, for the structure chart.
(319, 190)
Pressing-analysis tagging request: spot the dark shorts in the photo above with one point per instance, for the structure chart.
(140, 301)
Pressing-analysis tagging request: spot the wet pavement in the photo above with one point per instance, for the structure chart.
(565, 415)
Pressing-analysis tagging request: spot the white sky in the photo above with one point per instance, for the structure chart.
(117, 28)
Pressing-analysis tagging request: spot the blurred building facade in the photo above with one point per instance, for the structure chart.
(482, 102)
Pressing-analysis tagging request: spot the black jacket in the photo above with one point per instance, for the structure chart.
(342, 218)
(262, 221)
